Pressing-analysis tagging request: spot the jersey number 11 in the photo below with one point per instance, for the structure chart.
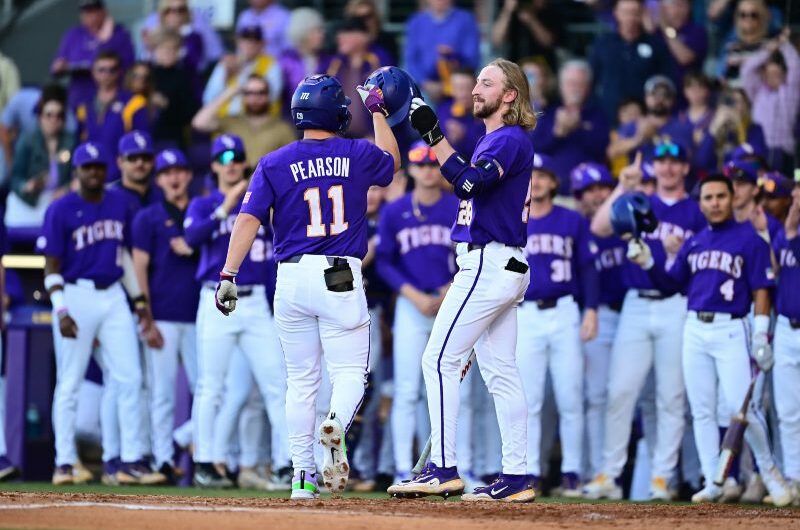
(316, 228)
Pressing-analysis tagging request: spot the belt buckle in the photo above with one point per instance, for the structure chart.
(705, 316)
(546, 304)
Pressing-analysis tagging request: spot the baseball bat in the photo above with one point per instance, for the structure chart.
(732, 443)
(426, 452)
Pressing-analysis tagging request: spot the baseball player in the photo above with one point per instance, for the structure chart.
(725, 268)
(480, 308)
(786, 373)
(87, 263)
(647, 334)
(208, 225)
(415, 257)
(561, 251)
(592, 184)
(7, 469)
(135, 161)
(165, 268)
(317, 188)
(745, 175)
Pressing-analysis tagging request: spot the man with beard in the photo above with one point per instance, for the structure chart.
(261, 132)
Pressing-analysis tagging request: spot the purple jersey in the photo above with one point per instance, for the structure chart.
(87, 237)
(211, 235)
(788, 256)
(683, 218)
(318, 189)
(500, 212)
(611, 256)
(417, 250)
(559, 246)
(174, 292)
(722, 266)
(136, 202)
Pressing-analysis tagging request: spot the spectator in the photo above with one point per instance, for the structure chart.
(622, 61)
(460, 127)
(175, 15)
(771, 78)
(173, 91)
(540, 81)
(305, 57)
(732, 125)
(41, 171)
(697, 91)
(96, 33)
(686, 41)
(382, 44)
(9, 80)
(528, 29)
(19, 117)
(139, 83)
(630, 111)
(451, 38)
(750, 33)
(201, 24)
(260, 131)
(273, 20)
(351, 66)
(575, 131)
(233, 70)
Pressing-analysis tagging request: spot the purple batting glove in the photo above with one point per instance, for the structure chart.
(372, 97)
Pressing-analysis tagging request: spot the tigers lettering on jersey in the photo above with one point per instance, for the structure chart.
(549, 244)
(329, 166)
(610, 258)
(419, 236)
(98, 231)
(665, 229)
(718, 260)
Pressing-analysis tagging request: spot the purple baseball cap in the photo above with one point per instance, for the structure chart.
(543, 163)
(227, 142)
(135, 143)
(250, 32)
(89, 153)
(745, 151)
(589, 174)
(743, 169)
(169, 158)
(648, 172)
(776, 185)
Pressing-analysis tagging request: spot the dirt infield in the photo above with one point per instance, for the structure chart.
(92, 511)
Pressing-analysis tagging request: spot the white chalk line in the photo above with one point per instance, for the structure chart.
(177, 508)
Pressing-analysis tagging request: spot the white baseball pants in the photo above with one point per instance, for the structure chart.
(786, 376)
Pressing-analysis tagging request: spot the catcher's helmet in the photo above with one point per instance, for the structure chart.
(632, 215)
(398, 88)
(319, 103)
(589, 174)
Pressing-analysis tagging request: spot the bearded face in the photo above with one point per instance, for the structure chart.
(483, 108)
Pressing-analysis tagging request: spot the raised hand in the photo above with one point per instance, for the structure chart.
(372, 97)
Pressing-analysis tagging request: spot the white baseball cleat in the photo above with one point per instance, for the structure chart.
(731, 490)
(780, 493)
(602, 487)
(755, 491)
(336, 469)
(659, 491)
(710, 493)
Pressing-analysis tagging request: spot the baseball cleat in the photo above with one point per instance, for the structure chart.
(281, 480)
(248, 479)
(110, 469)
(206, 476)
(7, 469)
(571, 486)
(659, 491)
(506, 488)
(63, 475)
(433, 480)
(81, 475)
(755, 491)
(780, 493)
(731, 491)
(304, 485)
(336, 469)
(710, 493)
(137, 473)
(536, 483)
(602, 487)
(472, 482)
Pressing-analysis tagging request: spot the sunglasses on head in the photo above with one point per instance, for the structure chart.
(421, 155)
(749, 14)
(665, 150)
(139, 157)
(255, 92)
(230, 156)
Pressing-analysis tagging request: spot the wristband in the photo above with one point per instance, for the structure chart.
(760, 324)
(53, 280)
(57, 299)
(229, 272)
(140, 302)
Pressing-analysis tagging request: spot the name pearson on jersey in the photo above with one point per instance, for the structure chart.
(329, 166)
(418, 236)
(549, 244)
(718, 260)
(98, 231)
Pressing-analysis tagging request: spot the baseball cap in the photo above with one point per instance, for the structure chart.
(775, 185)
(420, 153)
(227, 142)
(659, 81)
(89, 153)
(91, 4)
(745, 151)
(670, 150)
(543, 163)
(169, 158)
(746, 170)
(648, 172)
(250, 32)
(135, 143)
(588, 174)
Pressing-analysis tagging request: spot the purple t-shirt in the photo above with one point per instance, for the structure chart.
(500, 212)
(559, 245)
(318, 189)
(722, 266)
(610, 259)
(87, 237)
(683, 218)
(174, 292)
(211, 235)
(417, 250)
(788, 256)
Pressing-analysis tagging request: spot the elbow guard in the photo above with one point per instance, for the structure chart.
(468, 181)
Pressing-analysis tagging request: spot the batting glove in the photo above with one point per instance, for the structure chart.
(762, 352)
(639, 253)
(372, 97)
(424, 120)
(225, 295)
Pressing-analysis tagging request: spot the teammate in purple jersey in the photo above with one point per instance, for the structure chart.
(316, 190)
(208, 226)
(480, 308)
(725, 268)
(787, 341)
(745, 175)
(415, 256)
(560, 252)
(135, 160)
(87, 263)
(165, 267)
(649, 325)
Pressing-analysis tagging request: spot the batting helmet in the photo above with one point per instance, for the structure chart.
(319, 103)
(398, 88)
(632, 215)
(589, 174)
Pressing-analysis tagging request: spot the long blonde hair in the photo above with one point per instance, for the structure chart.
(520, 110)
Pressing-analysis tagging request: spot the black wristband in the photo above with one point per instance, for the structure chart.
(426, 123)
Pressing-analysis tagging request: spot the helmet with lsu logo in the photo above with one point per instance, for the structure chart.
(632, 215)
(398, 89)
(319, 103)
